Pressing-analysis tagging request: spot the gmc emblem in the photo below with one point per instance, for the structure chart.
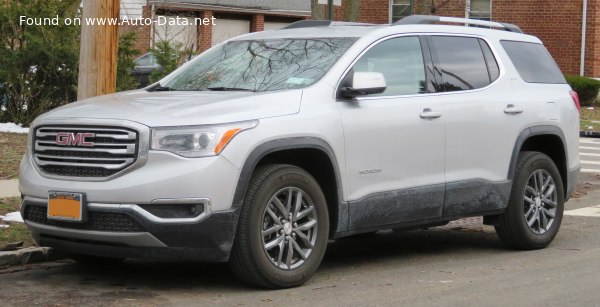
(74, 139)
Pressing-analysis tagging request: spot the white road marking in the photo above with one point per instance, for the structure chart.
(590, 170)
(589, 148)
(589, 211)
(589, 141)
(590, 162)
(589, 154)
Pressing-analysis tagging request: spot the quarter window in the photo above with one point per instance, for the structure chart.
(461, 62)
(533, 62)
(400, 61)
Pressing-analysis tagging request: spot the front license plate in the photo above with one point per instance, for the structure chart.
(65, 206)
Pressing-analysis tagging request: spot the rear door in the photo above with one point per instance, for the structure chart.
(483, 118)
(394, 141)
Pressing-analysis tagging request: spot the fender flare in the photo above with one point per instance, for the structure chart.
(272, 146)
(530, 132)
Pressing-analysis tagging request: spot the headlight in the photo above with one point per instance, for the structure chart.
(197, 141)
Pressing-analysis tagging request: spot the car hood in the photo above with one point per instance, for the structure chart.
(156, 109)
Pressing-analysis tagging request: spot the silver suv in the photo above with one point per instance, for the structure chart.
(266, 146)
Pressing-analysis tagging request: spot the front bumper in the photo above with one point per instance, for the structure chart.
(119, 226)
(124, 231)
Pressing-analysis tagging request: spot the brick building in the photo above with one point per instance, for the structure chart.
(557, 23)
(232, 18)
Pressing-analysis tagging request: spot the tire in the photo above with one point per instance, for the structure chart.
(255, 258)
(94, 260)
(527, 205)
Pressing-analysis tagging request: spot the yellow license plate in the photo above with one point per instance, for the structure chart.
(65, 206)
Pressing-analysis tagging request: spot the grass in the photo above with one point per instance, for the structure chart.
(12, 149)
(588, 115)
(590, 119)
(17, 232)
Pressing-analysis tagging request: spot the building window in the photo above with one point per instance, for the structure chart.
(400, 9)
(479, 9)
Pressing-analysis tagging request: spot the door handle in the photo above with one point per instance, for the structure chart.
(429, 114)
(511, 109)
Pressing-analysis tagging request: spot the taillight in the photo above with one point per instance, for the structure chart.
(575, 100)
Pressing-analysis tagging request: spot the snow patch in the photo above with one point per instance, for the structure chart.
(4, 226)
(12, 217)
(14, 128)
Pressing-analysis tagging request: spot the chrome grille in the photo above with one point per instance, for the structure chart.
(84, 151)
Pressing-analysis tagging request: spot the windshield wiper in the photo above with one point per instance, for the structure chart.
(160, 88)
(224, 88)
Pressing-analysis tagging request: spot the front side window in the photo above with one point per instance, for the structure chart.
(400, 9)
(400, 61)
(461, 62)
(260, 65)
(480, 9)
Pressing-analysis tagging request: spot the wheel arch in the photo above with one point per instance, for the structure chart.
(312, 154)
(546, 139)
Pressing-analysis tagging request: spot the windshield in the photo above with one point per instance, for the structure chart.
(260, 65)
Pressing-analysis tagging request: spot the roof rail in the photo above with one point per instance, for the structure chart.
(428, 19)
(322, 23)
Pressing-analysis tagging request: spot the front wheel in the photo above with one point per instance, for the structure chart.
(536, 204)
(283, 228)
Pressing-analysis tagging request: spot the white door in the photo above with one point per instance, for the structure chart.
(481, 127)
(394, 141)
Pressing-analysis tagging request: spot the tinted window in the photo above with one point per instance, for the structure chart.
(401, 62)
(461, 62)
(533, 62)
(490, 60)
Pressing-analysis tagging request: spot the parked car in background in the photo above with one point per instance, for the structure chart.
(145, 65)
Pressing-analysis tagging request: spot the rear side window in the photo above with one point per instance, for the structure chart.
(462, 63)
(533, 62)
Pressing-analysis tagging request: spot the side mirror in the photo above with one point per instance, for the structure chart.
(365, 83)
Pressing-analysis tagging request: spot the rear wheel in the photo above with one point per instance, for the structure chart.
(536, 205)
(283, 228)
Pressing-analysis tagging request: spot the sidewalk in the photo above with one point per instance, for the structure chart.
(9, 188)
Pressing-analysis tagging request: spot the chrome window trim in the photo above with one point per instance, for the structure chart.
(143, 144)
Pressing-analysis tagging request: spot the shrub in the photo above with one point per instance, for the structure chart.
(586, 88)
(38, 63)
(125, 62)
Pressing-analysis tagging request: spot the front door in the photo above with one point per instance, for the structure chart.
(394, 141)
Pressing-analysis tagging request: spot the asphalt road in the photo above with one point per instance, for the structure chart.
(463, 264)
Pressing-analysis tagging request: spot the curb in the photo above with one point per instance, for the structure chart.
(28, 255)
(589, 134)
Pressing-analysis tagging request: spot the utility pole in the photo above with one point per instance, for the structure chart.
(330, 9)
(98, 53)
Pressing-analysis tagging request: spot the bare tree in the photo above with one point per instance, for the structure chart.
(429, 7)
(351, 9)
(316, 10)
